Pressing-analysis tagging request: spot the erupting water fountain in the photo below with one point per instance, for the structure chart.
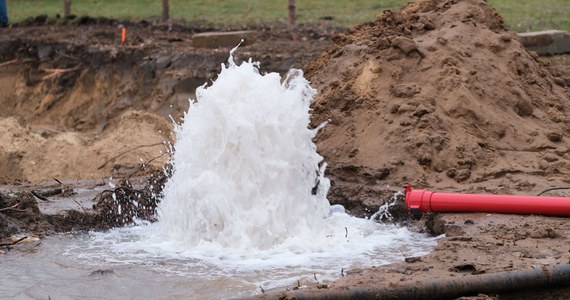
(245, 166)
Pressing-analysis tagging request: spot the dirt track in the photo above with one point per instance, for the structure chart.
(76, 105)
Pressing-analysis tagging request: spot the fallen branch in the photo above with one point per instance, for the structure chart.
(125, 190)
(39, 196)
(13, 207)
(125, 152)
(85, 211)
(14, 242)
(50, 192)
(14, 61)
(124, 206)
(144, 165)
(553, 189)
(68, 56)
(57, 72)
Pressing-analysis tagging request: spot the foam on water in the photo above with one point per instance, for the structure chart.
(248, 195)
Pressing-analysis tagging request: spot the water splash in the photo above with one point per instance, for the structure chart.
(245, 165)
(384, 209)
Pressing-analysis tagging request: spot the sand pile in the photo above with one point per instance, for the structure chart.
(36, 155)
(438, 94)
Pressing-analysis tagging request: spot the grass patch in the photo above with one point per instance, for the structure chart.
(520, 15)
(532, 15)
(19, 10)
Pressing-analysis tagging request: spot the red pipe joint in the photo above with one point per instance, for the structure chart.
(422, 201)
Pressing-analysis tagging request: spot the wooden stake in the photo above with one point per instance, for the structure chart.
(66, 8)
(165, 10)
(292, 15)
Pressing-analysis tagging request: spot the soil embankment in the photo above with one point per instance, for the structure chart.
(439, 95)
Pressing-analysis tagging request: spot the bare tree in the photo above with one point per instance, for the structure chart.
(66, 8)
(292, 15)
(165, 10)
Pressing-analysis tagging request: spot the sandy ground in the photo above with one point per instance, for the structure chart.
(474, 244)
(439, 95)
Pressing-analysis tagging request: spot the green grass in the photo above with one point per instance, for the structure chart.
(520, 15)
(534, 15)
(19, 10)
(345, 13)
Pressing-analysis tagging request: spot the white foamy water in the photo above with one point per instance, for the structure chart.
(245, 165)
(241, 206)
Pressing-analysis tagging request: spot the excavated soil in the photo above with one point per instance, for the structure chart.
(439, 95)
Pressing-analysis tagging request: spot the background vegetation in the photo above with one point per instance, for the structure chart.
(520, 15)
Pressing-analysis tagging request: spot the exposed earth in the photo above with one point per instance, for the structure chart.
(439, 95)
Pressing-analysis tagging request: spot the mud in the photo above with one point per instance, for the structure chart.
(439, 95)
(476, 244)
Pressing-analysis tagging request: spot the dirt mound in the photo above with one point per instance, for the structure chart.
(35, 155)
(438, 94)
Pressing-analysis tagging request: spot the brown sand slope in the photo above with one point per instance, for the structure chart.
(36, 155)
(438, 94)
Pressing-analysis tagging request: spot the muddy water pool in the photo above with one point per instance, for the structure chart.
(83, 266)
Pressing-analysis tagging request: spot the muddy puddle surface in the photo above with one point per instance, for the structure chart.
(48, 270)
(62, 267)
(87, 266)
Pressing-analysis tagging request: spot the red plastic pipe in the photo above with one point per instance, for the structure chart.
(428, 201)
